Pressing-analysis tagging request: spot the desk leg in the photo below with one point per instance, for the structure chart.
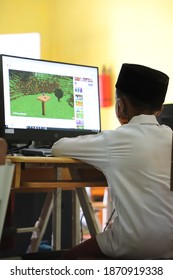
(88, 211)
(17, 175)
(42, 222)
(76, 233)
(56, 220)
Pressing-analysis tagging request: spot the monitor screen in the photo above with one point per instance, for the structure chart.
(46, 100)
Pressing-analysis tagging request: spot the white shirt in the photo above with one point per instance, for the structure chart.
(136, 160)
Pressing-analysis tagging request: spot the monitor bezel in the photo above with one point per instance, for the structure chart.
(46, 137)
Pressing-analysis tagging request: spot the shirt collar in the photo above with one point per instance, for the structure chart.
(144, 119)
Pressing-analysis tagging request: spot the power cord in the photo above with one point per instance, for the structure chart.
(13, 150)
(81, 226)
(107, 224)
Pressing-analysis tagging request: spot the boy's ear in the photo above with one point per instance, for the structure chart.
(122, 116)
(121, 105)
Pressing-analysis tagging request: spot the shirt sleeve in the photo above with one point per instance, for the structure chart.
(91, 149)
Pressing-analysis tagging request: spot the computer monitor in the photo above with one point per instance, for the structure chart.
(166, 116)
(44, 101)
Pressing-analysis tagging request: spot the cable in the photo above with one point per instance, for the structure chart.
(81, 227)
(109, 220)
(17, 149)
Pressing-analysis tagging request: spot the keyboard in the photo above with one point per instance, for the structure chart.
(38, 152)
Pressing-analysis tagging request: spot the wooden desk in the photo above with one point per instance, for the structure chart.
(53, 175)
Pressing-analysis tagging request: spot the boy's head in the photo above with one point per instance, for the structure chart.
(143, 85)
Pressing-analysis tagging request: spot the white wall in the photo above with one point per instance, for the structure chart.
(143, 30)
(24, 44)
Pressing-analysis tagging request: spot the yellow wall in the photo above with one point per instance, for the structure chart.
(98, 33)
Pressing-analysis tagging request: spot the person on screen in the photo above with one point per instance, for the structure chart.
(136, 161)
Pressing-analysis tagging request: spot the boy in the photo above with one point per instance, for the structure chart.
(136, 161)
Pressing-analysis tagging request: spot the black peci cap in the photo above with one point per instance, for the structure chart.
(143, 83)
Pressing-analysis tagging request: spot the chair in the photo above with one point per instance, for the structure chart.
(6, 176)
